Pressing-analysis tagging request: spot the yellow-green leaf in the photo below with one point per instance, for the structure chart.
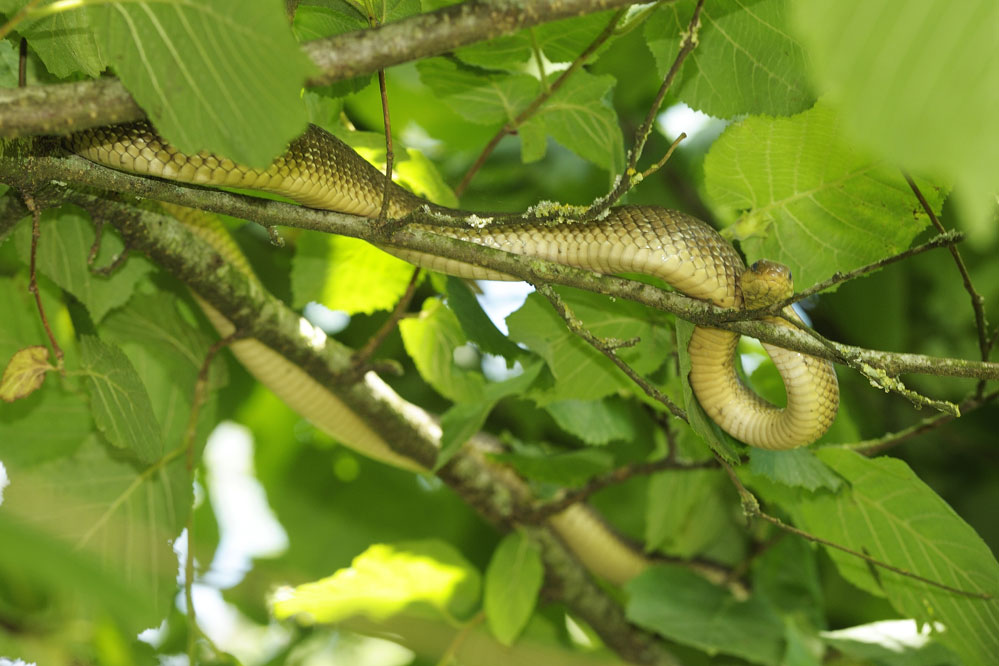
(24, 373)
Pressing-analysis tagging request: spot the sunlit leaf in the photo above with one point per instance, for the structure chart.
(383, 581)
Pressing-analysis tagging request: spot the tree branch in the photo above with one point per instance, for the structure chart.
(494, 491)
(31, 164)
(66, 107)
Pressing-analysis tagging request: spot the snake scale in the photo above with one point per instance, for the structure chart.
(320, 171)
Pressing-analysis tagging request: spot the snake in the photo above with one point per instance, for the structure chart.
(321, 171)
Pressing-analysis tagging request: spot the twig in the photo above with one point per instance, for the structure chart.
(607, 348)
(752, 508)
(544, 510)
(22, 63)
(977, 301)
(659, 165)
(36, 233)
(389, 155)
(874, 446)
(362, 357)
(875, 374)
(945, 239)
(544, 96)
(627, 179)
(200, 395)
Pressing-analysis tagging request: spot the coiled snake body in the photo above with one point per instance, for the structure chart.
(320, 171)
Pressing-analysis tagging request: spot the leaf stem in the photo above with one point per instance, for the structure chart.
(36, 234)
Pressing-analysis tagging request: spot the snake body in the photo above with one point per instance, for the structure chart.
(320, 171)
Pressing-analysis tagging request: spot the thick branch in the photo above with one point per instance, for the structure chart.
(66, 107)
(408, 429)
(32, 171)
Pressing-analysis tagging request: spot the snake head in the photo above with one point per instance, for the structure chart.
(765, 283)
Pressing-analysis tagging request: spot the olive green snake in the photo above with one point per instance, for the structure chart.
(320, 171)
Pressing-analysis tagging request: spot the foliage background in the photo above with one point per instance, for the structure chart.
(813, 105)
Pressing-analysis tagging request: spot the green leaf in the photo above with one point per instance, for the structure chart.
(168, 353)
(580, 117)
(931, 110)
(65, 43)
(477, 325)
(810, 200)
(66, 238)
(479, 96)
(570, 469)
(513, 581)
(218, 75)
(797, 467)
(746, 60)
(464, 419)
(890, 514)
(681, 606)
(118, 400)
(127, 517)
(581, 372)
(720, 441)
(8, 71)
(687, 511)
(563, 41)
(32, 557)
(787, 575)
(383, 581)
(509, 52)
(347, 274)
(430, 341)
(596, 422)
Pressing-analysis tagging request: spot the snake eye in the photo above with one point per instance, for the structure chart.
(755, 266)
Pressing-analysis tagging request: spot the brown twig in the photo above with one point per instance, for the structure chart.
(751, 506)
(389, 155)
(22, 63)
(362, 357)
(874, 446)
(945, 239)
(544, 96)
(628, 178)
(607, 348)
(36, 233)
(544, 510)
(199, 396)
(977, 301)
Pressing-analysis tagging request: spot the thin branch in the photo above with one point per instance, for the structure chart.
(49, 171)
(66, 107)
(544, 96)
(608, 348)
(362, 358)
(977, 301)
(544, 510)
(751, 506)
(628, 178)
(36, 234)
(877, 445)
(946, 239)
